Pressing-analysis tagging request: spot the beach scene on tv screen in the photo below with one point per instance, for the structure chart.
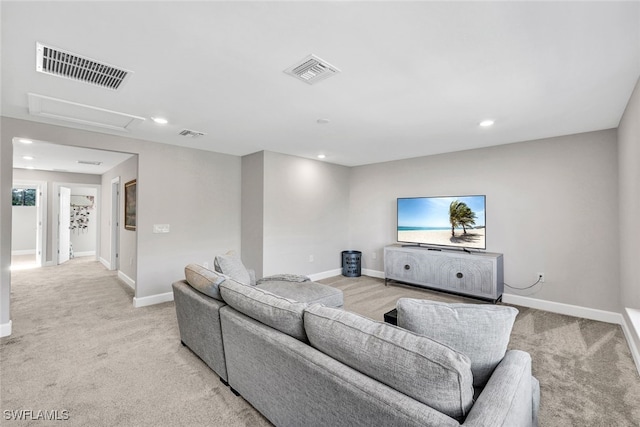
(443, 221)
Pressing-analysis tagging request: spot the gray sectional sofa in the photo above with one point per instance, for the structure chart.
(307, 363)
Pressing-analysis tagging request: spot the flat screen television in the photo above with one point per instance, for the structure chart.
(452, 221)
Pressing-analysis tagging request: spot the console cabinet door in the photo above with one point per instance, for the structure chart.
(476, 275)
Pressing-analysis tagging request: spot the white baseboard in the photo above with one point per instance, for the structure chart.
(567, 309)
(325, 274)
(126, 279)
(152, 299)
(632, 333)
(85, 253)
(373, 273)
(24, 252)
(104, 262)
(5, 329)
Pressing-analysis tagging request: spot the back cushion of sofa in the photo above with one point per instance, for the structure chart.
(480, 331)
(204, 280)
(412, 364)
(275, 311)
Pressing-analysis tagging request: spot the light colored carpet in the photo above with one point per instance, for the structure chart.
(79, 345)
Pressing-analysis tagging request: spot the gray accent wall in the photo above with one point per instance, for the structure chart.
(253, 211)
(305, 214)
(629, 184)
(552, 207)
(128, 247)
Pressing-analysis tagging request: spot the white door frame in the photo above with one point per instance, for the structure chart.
(41, 216)
(114, 224)
(56, 211)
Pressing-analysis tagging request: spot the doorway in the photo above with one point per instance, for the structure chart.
(29, 213)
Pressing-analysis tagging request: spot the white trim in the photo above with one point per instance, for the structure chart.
(325, 274)
(86, 253)
(567, 309)
(104, 262)
(5, 329)
(632, 333)
(24, 252)
(152, 299)
(126, 279)
(373, 273)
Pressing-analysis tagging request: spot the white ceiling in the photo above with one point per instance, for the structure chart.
(64, 158)
(416, 77)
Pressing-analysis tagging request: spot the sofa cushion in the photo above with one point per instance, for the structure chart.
(309, 292)
(232, 266)
(481, 331)
(204, 280)
(278, 312)
(417, 366)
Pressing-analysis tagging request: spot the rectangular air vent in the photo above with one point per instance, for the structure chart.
(88, 162)
(312, 70)
(192, 133)
(58, 62)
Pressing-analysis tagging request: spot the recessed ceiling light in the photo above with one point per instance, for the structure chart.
(486, 123)
(160, 120)
(321, 156)
(25, 141)
(27, 157)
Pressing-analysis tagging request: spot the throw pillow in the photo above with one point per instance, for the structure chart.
(204, 280)
(231, 265)
(413, 364)
(480, 331)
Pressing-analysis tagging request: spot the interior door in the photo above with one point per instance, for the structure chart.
(64, 221)
(39, 220)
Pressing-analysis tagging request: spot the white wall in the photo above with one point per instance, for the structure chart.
(552, 207)
(306, 213)
(23, 229)
(6, 182)
(50, 178)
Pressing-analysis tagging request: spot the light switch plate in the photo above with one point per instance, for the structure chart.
(161, 228)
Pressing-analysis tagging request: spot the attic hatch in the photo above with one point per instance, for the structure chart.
(312, 70)
(61, 63)
(191, 133)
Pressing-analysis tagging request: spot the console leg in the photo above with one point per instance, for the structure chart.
(234, 391)
(183, 344)
(224, 382)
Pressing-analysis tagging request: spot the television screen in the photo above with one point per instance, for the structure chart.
(442, 221)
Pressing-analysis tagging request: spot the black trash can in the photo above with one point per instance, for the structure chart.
(351, 264)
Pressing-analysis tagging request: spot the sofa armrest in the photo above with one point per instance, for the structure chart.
(509, 398)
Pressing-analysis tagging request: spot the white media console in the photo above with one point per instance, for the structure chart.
(475, 274)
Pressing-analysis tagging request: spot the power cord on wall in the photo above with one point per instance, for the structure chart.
(528, 287)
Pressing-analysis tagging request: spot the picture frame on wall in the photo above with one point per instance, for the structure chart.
(130, 205)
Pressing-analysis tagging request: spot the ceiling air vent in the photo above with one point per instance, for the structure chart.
(89, 162)
(312, 70)
(58, 62)
(192, 133)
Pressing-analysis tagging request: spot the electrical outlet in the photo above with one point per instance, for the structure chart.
(540, 276)
(310, 258)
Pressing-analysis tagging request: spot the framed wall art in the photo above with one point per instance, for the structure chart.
(130, 205)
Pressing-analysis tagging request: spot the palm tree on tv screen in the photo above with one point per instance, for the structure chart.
(461, 215)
